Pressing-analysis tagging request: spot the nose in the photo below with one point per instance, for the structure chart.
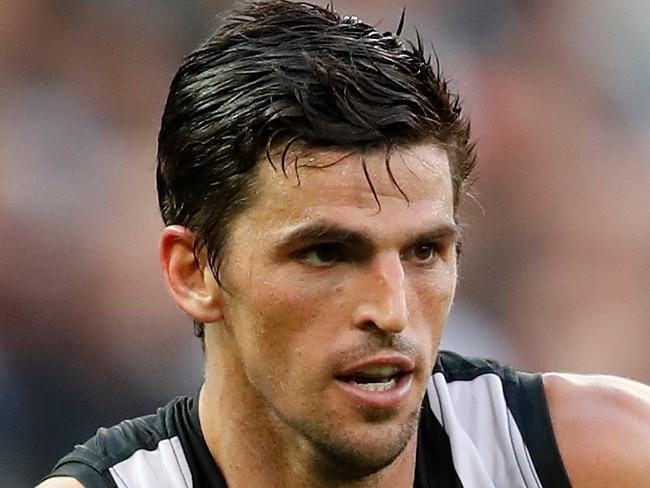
(383, 303)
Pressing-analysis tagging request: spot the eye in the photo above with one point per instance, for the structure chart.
(322, 255)
(425, 252)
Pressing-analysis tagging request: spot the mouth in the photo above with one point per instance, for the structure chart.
(379, 383)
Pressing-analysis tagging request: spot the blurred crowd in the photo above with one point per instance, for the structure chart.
(555, 272)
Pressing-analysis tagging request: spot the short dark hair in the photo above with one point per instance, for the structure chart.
(279, 72)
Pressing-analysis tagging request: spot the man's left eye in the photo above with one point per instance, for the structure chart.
(424, 252)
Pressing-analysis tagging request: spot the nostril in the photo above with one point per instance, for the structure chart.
(368, 325)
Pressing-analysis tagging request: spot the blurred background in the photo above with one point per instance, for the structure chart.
(556, 264)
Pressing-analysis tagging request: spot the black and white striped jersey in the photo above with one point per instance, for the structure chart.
(483, 425)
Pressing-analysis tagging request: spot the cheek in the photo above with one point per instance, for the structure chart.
(432, 303)
(436, 289)
(283, 324)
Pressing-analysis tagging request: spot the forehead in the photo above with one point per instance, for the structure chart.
(386, 202)
(324, 177)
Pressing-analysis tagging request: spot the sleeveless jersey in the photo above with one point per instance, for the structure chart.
(482, 425)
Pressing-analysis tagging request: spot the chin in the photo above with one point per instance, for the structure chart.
(363, 450)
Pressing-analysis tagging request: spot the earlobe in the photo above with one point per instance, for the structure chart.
(189, 280)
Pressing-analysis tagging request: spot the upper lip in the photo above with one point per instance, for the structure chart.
(404, 363)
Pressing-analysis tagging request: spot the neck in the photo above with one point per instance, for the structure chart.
(252, 447)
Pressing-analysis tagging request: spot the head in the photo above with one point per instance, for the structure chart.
(311, 169)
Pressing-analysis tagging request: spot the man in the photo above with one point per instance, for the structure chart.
(310, 172)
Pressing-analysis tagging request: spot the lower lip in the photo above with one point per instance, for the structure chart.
(391, 398)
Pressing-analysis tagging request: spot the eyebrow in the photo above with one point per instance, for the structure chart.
(327, 231)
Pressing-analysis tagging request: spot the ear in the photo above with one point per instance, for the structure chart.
(189, 280)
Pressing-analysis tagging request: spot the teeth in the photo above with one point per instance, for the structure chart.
(387, 385)
(382, 370)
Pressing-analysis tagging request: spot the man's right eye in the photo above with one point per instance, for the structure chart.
(322, 255)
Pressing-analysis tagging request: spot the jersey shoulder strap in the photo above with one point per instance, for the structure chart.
(164, 449)
(497, 422)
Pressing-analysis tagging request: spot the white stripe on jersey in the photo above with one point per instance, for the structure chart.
(487, 448)
(164, 467)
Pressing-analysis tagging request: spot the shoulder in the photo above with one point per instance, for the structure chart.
(602, 426)
(60, 482)
(111, 452)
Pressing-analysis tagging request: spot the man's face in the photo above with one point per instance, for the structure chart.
(335, 307)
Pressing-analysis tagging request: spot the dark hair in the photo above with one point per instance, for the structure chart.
(279, 72)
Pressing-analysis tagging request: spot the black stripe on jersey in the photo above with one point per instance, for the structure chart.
(526, 400)
(205, 471)
(460, 368)
(434, 467)
(83, 472)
